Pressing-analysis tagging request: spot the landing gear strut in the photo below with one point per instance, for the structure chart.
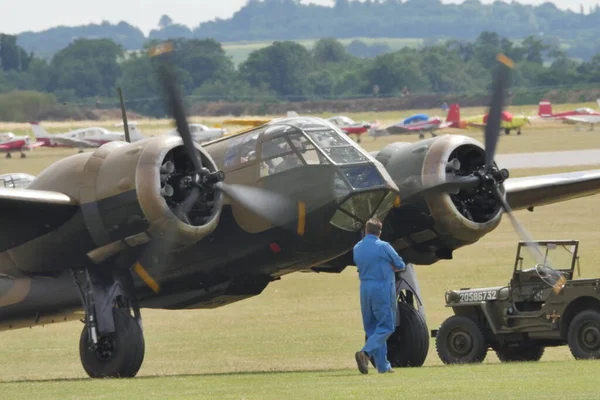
(112, 340)
(8, 155)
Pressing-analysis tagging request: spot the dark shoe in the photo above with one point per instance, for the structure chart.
(362, 361)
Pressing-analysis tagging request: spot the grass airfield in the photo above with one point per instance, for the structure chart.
(298, 338)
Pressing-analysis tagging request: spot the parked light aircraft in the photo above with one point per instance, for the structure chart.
(508, 123)
(91, 137)
(583, 115)
(9, 143)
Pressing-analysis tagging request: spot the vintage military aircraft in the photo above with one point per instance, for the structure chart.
(165, 223)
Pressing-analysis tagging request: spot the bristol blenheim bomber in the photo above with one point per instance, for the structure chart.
(166, 223)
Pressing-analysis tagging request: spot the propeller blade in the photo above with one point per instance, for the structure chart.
(553, 278)
(492, 128)
(274, 207)
(175, 105)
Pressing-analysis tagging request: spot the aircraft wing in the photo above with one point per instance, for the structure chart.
(584, 119)
(72, 142)
(476, 124)
(534, 191)
(27, 214)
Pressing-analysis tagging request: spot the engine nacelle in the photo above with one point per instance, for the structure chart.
(129, 194)
(426, 228)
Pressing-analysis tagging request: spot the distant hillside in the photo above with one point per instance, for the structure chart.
(48, 42)
(268, 20)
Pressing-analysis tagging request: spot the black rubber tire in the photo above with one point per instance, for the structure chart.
(585, 326)
(409, 344)
(459, 328)
(520, 353)
(127, 356)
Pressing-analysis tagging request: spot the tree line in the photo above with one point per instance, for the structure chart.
(577, 32)
(88, 71)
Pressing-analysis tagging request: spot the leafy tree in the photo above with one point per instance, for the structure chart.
(283, 66)
(89, 67)
(165, 21)
(12, 57)
(392, 72)
(204, 60)
(329, 50)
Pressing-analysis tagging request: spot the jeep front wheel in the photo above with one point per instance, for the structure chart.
(584, 335)
(460, 341)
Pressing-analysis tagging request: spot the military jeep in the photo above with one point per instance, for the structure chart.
(541, 306)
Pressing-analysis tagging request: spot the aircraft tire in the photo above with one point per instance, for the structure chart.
(460, 341)
(520, 353)
(120, 354)
(584, 335)
(409, 344)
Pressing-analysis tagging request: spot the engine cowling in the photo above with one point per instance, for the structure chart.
(129, 194)
(427, 228)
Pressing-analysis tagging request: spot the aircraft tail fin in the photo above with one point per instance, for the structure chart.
(453, 113)
(545, 108)
(291, 114)
(598, 102)
(38, 131)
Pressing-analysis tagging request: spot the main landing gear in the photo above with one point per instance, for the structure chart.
(409, 344)
(112, 340)
(8, 155)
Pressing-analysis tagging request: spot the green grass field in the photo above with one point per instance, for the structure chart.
(239, 51)
(298, 338)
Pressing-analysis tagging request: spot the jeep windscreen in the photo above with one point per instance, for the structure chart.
(558, 255)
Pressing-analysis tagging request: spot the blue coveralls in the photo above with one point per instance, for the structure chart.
(374, 259)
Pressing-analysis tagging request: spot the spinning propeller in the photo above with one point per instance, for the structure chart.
(275, 208)
(489, 178)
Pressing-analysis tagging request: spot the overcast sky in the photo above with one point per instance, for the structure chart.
(36, 15)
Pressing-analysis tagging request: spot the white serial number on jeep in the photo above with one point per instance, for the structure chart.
(478, 296)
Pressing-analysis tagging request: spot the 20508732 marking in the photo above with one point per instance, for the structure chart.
(478, 295)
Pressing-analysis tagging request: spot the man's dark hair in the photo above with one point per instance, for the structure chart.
(373, 226)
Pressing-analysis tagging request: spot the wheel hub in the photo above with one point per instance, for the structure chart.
(590, 336)
(105, 348)
(460, 342)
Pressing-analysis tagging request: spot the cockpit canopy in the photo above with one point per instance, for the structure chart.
(288, 143)
(361, 186)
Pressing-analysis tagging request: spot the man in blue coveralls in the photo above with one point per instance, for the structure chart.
(377, 262)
